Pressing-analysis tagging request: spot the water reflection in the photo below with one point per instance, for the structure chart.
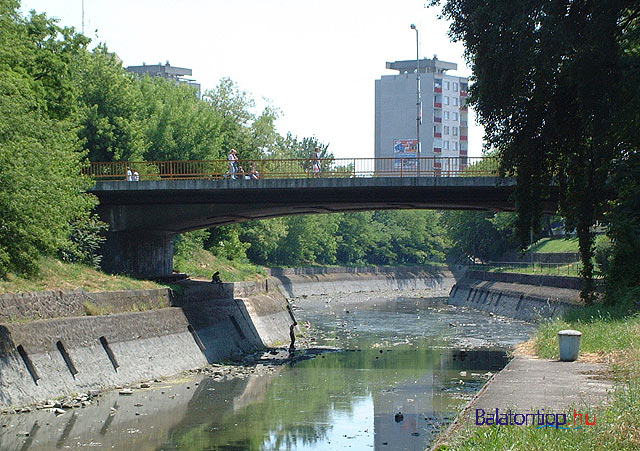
(347, 399)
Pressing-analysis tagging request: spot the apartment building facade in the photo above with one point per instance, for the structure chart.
(444, 113)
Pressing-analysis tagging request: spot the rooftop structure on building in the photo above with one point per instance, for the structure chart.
(427, 65)
(166, 71)
(444, 116)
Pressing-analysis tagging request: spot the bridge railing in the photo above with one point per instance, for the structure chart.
(298, 168)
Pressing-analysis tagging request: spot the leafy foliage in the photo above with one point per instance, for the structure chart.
(111, 120)
(178, 125)
(556, 88)
(85, 240)
(41, 189)
(479, 235)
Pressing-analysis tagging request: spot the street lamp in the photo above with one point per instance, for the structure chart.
(418, 102)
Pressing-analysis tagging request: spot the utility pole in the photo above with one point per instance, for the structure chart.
(418, 100)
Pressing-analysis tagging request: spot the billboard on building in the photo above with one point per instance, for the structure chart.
(405, 153)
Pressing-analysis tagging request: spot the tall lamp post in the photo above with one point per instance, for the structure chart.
(418, 101)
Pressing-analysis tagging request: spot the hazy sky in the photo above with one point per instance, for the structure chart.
(315, 60)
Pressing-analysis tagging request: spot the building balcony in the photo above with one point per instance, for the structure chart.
(463, 123)
(437, 104)
(463, 138)
(437, 89)
(437, 119)
(464, 108)
(437, 135)
(464, 93)
(463, 152)
(437, 149)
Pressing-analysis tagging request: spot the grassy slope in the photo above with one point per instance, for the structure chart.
(555, 245)
(203, 264)
(55, 275)
(610, 335)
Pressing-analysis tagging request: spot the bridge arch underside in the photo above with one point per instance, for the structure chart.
(145, 216)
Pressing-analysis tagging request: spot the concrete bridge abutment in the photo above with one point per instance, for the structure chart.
(138, 253)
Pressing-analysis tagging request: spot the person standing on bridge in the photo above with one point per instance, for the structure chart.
(316, 162)
(129, 174)
(233, 163)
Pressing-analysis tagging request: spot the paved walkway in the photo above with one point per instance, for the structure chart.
(528, 384)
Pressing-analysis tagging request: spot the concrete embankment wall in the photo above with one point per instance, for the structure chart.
(57, 304)
(526, 301)
(294, 282)
(521, 296)
(48, 358)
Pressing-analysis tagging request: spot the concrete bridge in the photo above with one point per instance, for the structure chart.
(145, 216)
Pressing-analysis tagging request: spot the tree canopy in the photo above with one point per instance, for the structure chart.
(555, 84)
(41, 188)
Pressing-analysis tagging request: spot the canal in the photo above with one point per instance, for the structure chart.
(386, 373)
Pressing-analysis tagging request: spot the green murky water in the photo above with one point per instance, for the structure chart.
(398, 377)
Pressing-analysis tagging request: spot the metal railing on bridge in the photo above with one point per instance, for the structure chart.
(297, 168)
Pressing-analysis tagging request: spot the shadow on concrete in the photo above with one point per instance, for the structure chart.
(221, 325)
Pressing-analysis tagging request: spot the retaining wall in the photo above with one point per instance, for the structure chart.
(49, 358)
(520, 301)
(295, 282)
(56, 304)
(52, 357)
(17, 307)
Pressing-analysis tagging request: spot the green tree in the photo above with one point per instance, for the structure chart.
(264, 238)
(234, 106)
(549, 88)
(479, 234)
(111, 114)
(178, 125)
(358, 237)
(41, 188)
(310, 239)
(224, 241)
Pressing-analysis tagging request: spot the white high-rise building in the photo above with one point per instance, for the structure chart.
(444, 126)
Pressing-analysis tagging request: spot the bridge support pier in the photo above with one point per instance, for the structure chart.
(141, 254)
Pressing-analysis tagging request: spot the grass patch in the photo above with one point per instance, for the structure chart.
(611, 332)
(604, 330)
(555, 245)
(56, 275)
(203, 264)
(92, 309)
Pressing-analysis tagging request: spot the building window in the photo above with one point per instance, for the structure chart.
(455, 116)
(446, 129)
(446, 115)
(454, 131)
(446, 100)
(445, 145)
(455, 101)
(455, 145)
(455, 86)
(446, 85)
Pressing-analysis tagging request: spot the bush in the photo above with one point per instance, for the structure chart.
(602, 253)
(87, 235)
